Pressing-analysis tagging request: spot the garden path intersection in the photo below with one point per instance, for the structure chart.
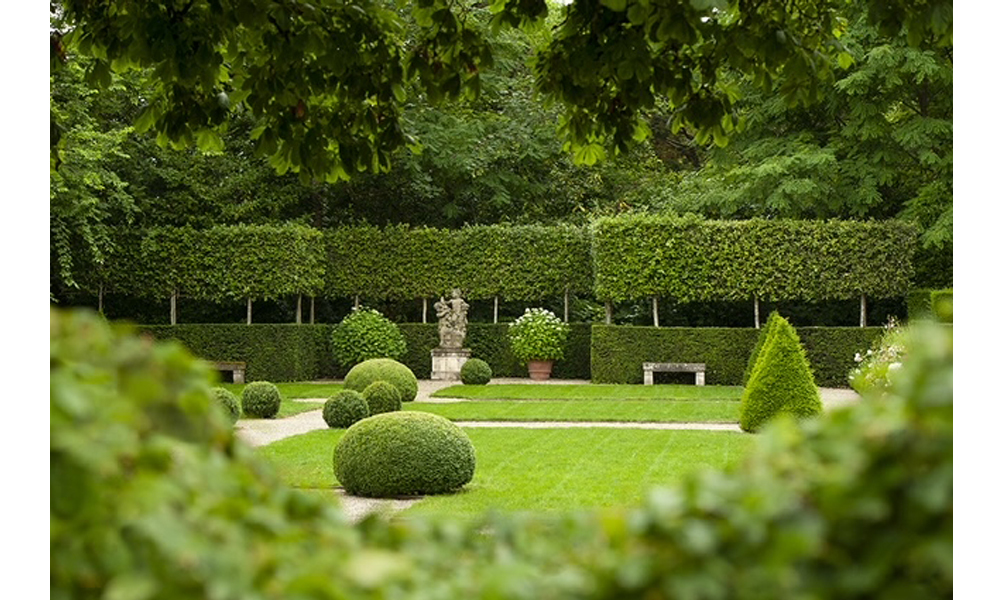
(260, 432)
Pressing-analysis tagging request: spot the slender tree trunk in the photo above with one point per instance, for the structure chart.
(173, 308)
(864, 310)
(312, 310)
(496, 309)
(607, 312)
(357, 301)
(423, 311)
(756, 312)
(566, 306)
(656, 311)
(249, 310)
(100, 299)
(298, 311)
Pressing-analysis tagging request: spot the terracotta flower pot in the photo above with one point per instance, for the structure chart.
(539, 370)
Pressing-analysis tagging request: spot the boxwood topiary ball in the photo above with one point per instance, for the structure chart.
(261, 399)
(382, 397)
(230, 403)
(476, 372)
(403, 454)
(345, 409)
(383, 369)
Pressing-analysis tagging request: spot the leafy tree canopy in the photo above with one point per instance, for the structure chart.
(326, 80)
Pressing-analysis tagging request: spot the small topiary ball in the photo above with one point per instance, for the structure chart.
(261, 400)
(345, 409)
(383, 369)
(476, 372)
(382, 397)
(229, 402)
(403, 454)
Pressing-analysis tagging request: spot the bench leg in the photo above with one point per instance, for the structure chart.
(238, 376)
(699, 378)
(647, 378)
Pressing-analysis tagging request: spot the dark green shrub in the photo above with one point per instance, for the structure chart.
(344, 409)
(404, 454)
(761, 337)
(383, 369)
(261, 399)
(230, 403)
(476, 372)
(382, 397)
(366, 334)
(781, 381)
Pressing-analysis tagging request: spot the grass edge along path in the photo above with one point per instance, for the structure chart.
(628, 411)
(543, 470)
(589, 391)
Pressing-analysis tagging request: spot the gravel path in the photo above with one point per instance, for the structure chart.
(260, 432)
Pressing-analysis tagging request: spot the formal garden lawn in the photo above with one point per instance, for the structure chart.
(589, 391)
(538, 469)
(648, 411)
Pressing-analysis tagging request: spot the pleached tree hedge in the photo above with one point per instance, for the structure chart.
(689, 259)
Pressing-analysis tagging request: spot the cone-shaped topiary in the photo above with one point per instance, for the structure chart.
(761, 338)
(230, 403)
(261, 399)
(781, 380)
(382, 397)
(403, 454)
(476, 372)
(383, 369)
(344, 409)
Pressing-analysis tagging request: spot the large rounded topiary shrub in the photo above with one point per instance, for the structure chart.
(781, 381)
(382, 397)
(365, 334)
(230, 403)
(345, 409)
(383, 369)
(476, 371)
(261, 399)
(403, 454)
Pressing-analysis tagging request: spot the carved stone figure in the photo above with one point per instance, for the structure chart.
(453, 320)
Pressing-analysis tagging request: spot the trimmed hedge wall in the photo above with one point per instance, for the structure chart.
(289, 352)
(689, 258)
(930, 304)
(617, 352)
(273, 352)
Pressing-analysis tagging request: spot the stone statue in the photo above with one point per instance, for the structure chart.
(452, 319)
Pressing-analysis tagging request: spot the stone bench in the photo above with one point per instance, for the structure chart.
(239, 369)
(651, 367)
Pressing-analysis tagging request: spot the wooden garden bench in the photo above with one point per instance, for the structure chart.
(652, 367)
(239, 369)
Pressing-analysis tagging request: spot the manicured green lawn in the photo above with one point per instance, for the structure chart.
(539, 469)
(558, 391)
(294, 389)
(657, 411)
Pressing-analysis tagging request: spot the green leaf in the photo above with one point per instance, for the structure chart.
(615, 5)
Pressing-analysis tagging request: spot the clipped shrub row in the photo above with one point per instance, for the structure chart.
(930, 304)
(617, 258)
(617, 352)
(689, 258)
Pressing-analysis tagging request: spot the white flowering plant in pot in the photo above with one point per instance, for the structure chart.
(538, 335)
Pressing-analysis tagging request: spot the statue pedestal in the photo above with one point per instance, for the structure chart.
(446, 363)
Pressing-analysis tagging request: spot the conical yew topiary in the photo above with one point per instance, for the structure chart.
(781, 380)
(761, 338)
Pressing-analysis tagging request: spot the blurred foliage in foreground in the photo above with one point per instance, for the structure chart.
(152, 496)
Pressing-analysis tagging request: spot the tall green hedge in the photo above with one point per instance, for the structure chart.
(287, 352)
(514, 262)
(688, 258)
(930, 304)
(217, 264)
(617, 352)
(273, 352)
